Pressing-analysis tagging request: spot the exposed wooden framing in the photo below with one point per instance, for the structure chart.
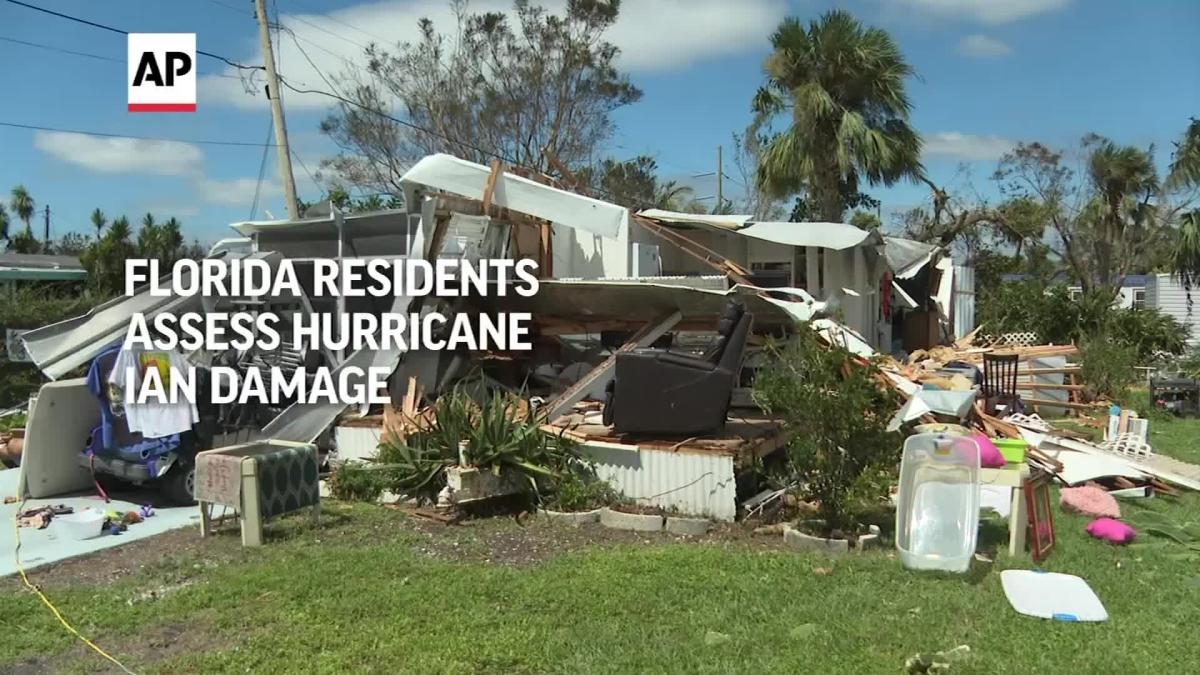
(1049, 371)
(563, 171)
(546, 251)
(1050, 403)
(597, 378)
(441, 223)
(704, 254)
(489, 190)
(1050, 387)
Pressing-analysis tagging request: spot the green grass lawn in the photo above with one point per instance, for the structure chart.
(372, 590)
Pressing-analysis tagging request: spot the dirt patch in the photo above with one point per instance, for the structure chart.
(154, 645)
(508, 541)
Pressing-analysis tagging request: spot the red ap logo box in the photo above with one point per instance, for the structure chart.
(162, 72)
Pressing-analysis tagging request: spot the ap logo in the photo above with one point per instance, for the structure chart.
(162, 72)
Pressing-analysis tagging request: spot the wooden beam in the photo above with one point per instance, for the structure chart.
(546, 251)
(597, 378)
(1049, 403)
(489, 190)
(1049, 371)
(1050, 387)
(704, 254)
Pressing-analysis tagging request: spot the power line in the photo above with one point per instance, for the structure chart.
(102, 134)
(262, 170)
(93, 24)
(336, 20)
(98, 57)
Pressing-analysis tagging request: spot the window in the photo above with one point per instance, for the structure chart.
(1139, 298)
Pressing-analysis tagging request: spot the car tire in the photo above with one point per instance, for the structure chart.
(179, 485)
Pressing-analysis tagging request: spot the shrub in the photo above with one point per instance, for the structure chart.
(1107, 367)
(837, 412)
(1056, 318)
(352, 481)
(501, 433)
(579, 489)
(27, 307)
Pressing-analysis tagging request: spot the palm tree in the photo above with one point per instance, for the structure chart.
(843, 85)
(1185, 172)
(22, 205)
(171, 236)
(119, 230)
(98, 222)
(671, 196)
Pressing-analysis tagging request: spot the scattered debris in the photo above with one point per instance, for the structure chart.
(937, 662)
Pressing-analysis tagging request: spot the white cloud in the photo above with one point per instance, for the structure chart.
(987, 11)
(982, 46)
(121, 155)
(654, 35)
(966, 147)
(236, 191)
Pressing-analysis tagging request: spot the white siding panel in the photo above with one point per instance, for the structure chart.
(361, 443)
(1168, 296)
(695, 484)
(964, 300)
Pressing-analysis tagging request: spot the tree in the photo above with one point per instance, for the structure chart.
(842, 86)
(23, 206)
(492, 86)
(98, 222)
(72, 244)
(105, 260)
(635, 183)
(1112, 220)
(3, 223)
(24, 242)
(1185, 174)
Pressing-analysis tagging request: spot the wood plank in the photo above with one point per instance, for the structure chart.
(546, 251)
(1050, 387)
(489, 190)
(1049, 403)
(699, 251)
(599, 376)
(1049, 371)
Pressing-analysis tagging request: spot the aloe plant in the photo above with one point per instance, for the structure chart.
(501, 433)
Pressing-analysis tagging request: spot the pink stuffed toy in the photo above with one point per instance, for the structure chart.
(989, 455)
(1090, 501)
(1111, 530)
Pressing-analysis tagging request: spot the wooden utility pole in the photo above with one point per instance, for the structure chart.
(720, 184)
(275, 96)
(46, 212)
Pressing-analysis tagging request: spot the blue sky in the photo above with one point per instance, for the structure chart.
(990, 74)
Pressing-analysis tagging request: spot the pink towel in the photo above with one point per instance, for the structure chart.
(1090, 501)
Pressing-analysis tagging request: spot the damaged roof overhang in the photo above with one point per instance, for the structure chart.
(835, 236)
(62, 347)
(586, 302)
(468, 179)
(908, 257)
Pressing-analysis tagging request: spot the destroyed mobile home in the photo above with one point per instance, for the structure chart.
(647, 329)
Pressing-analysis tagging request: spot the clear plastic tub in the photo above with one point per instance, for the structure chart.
(937, 509)
(81, 525)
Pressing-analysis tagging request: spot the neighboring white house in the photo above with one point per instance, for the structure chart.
(1167, 295)
(1132, 294)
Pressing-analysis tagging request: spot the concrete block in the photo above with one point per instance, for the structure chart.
(636, 522)
(576, 518)
(688, 527)
(807, 542)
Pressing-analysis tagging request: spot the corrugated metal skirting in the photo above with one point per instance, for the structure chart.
(695, 484)
(964, 300)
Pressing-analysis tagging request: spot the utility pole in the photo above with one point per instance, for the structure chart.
(275, 96)
(720, 178)
(46, 212)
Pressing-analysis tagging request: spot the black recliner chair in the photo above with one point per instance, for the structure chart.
(663, 392)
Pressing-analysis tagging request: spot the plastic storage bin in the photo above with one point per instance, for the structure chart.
(937, 510)
(82, 525)
(1013, 449)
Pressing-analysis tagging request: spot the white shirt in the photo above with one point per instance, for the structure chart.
(152, 419)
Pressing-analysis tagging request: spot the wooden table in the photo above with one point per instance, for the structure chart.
(1013, 476)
